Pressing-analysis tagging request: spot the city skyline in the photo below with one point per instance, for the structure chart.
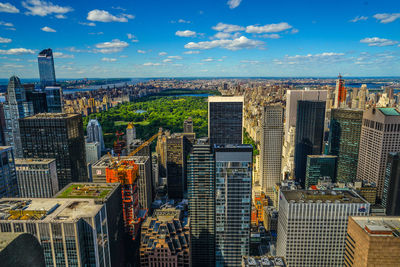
(229, 38)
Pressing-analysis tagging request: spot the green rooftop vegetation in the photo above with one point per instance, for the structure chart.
(84, 191)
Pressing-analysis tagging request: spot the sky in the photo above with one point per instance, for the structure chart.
(207, 38)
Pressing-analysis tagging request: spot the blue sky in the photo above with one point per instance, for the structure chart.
(180, 38)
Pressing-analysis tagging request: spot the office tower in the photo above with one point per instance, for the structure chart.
(54, 99)
(225, 119)
(37, 98)
(320, 166)
(188, 125)
(95, 133)
(271, 147)
(130, 136)
(14, 245)
(58, 136)
(36, 177)
(108, 195)
(312, 225)
(391, 187)
(372, 241)
(93, 152)
(46, 68)
(71, 231)
(2, 125)
(16, 107)
(380, 134)
(256, 261)
(201, 197)
(340, 93)
(344, 142)
(8, 176)
(233, 176)
(165, 239)
(309, 134)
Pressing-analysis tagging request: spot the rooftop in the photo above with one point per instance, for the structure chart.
(379, 225)
(105, 161)
(226, 99)
(51, 116)
(322, 156)
(389, 111)
(327, 196)
(87, 190)
(263, 261)
(32, 161)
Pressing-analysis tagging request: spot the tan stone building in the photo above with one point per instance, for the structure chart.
(372, 241)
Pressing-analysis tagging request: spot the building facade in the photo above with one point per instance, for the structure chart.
(320, 166)
(93, 152)
(54, 99)
(8, 176)
(95, 133)
(47, 73)
(36, 177)
(391, 187)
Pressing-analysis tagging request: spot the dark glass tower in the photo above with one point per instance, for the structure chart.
(54, 99)
(46, 68)
(225, 119)
(391, 187)
(201, 195)
(344, 142)
(319, 166)
(8, 175)
(59, 136)
(309, 135)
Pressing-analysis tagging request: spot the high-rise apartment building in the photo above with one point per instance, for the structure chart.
(225, 119)
(188, 125)
(95, 133)
(8, 176)
(201, 196)
(46, 68)
(312, 225)
(391, 186)
(320, 166)
(380, 134)
(36, 177)
(16, 107)
(93, 152)
(130, 136)
(309, 134)
(54, 99)
(271, 148)
(372, 241)
(344, 142)
(58, 136)
(233, 178)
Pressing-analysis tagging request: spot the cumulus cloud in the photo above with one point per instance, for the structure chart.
(91, 24)
(271, 36)
(183, 21)
(43, 8)
(17, 51)
(186, 33)
(278, 27)
(387, 17)
(175, 57)
(162, 54)
(222, 35)
(107, 59)
(322, 58)
(5, 40)
(359, 18)
(376, 41)
(235, 44)
(191, 52)
(62, 55)
(60, 16)
(233, 3)
(111, 47)
(105, 16)
(7, 24)
(8, 8)
(151, 64)
(141, 51)
(132, 38)
(223, 27)
(48, 29)
(167, 60)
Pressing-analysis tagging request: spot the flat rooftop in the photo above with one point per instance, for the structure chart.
(321, 156)
(47, 209)
(226, 99)
(32, 161)
(259, 261)
(105, 161)
(327, 196)
(389, 111)
(51, 116)
(87, 190)
(379, 225)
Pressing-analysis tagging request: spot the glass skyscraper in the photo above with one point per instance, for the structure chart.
(54, 99)
(319, 166)
(8, 175)
(95, 133)
(46, 68)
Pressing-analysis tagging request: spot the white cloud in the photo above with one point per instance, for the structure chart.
(48, 29)
(387, 17)
(250, 62)
(233, 3)
(5, 40)
(293, 31)
(167, 60)
(191, 52)
(43, 8)
(322, 58)
(141, 51)
(183, 21)
(151, 64)
(222, 35)
(107, 59)
(8, 8)
(359, 18)
(111, 47)
(186, 33)
(175, 57)
(208, 59)
(91, 24)
(235, 44)
(96, 33)
(271, 36)
(105, 16)
(162, 53)
(62, 55)
(222, 27)
(376, 41)
(268, 28)
(60, 16)
(7, 24)
(132, 38)
(17, 51)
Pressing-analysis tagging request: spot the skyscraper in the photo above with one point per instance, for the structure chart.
(380, 134)
(344, 142)
(54, 99)
(312, 225)
(58, 136)
(93, 152)
(130, 136)
(16, 107)
(46, 68)
(309, 134)
(95, 133)
(391, 187)
(340, 93)
(225, 119)
(320, 166)
(271, 148)
(8, 176)
(201, 196)
(233, 177)
(188, 125)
